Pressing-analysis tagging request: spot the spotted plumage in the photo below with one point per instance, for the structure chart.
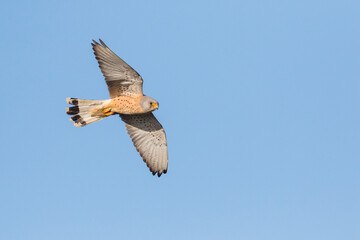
(127, 100)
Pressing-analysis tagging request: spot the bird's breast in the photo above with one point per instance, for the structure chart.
(127, 104)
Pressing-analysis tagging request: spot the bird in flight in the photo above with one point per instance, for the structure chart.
(128, 101)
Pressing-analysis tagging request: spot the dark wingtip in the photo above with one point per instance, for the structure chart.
(102, 43)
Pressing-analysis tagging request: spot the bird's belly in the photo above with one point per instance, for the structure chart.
(126, 105)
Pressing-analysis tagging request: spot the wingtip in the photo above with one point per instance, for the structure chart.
(102, 43)
(95, 43)
(159, 173)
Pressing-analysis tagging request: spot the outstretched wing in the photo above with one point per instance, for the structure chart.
(120, 77)
(149, 139)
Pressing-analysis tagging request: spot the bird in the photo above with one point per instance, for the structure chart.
(127, 100)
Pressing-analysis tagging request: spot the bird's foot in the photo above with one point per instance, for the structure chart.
(107, 112)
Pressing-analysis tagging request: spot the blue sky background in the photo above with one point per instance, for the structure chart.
(259, 99)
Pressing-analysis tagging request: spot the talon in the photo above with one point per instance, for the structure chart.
(108, 112)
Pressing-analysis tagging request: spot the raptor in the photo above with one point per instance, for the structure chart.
(128, 101)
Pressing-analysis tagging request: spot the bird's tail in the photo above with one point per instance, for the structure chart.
(87, 111)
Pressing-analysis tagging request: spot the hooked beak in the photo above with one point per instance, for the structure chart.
(155, 105)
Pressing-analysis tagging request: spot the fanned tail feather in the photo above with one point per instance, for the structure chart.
(85, 111)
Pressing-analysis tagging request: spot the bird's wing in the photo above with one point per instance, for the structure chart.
(120, 77)
(149, 139)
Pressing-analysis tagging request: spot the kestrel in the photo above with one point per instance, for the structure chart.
(128, 101)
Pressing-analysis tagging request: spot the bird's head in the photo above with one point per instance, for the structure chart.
(149, 104)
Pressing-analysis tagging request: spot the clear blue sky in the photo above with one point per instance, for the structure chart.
(259, 99)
